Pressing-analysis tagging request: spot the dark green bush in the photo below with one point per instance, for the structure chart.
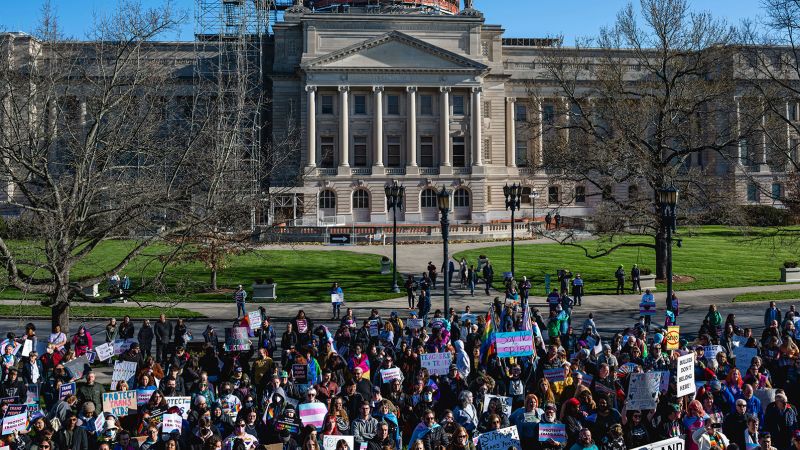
(766, 216)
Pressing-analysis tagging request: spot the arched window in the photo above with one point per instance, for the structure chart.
(327, 200)
(633, 193)
(461, 198)
(361, 199)
(428, 199)
(525, 197)
(553, 195)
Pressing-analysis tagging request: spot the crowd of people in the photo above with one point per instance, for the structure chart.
(370, 383)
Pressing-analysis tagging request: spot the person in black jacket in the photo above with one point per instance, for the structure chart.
(126, 329)
(14, 387)
(163, 333)
(71, 436)
(32, 370)
(146, 338)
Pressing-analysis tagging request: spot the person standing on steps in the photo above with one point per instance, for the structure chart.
(163, 333)
(620, 276)
(432, 273)
(336, 303)
(577, 289)
(472, 279)
(636, 281)
(488, 276)
(240, 296)
(410, 284)
(547, 220)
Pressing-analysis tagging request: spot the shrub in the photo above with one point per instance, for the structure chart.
(766, 216)
(384, 259)
(790, 264)
(645, 271)
(259, 281)
(269, 280)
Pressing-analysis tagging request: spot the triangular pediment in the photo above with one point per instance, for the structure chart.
(394, 51)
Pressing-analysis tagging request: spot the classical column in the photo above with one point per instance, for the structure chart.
(738, 133)
(540, 153)
(763, 157)
(344, 127)
(565, 101)
(511, 132)
(311, 156)
(412, 126)
(378, 157)
(445, 126)
(477, 138)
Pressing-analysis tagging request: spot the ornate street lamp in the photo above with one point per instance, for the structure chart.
(394, 201)
(443, 201)
(513, 196)
(668, 202)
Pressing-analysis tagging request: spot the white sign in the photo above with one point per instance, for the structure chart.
(501, 439)
(254, 317)
(27, 348)
(505, 403)
(686, 375)
(710, 351)
(766, 396)
(414, 324)
(183, 403)
(17, 422)
(643, 391)
(744, 356)
(436, 363)
(105, 351)
(675, 443)
(123, 371)
(170, 423)
(329, 442)
(122, 345)
(337, 298)
(388, 375)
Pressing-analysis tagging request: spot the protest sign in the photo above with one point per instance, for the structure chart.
(7, 400)
(254, 318)
(337, 298)
(440, 322)
(643, 391)
(237, 339)
(664, 384)
(586, 379)
(122, 345)
(505, 403)
(300, 373)
(170, 423)
(414, 324)
(647, 308)
(14, 409)
(183, 403)
(330, 442)
(388, 375)
(33, 394)
(66, 390)
(673, 337)
(502, 439)
(555, 374)
(436, 363)
(472, 318)
(676, 443)
(302, 325)
(27, 348)
(291, 427)
(99, 422)
(123, 371)
(313, 414)
(77, 367)
(710, 351)
(766, 396)
(685, 373)
(373, 327)
(119, 403)
(515, 343)
(143, 395)
(554, 431)
(14, 423)
(744, 356)
(105, 351)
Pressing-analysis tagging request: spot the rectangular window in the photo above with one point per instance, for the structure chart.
(520, 112)
(548, 114)
(328, 150)
(393, 105)
(393, 151)
(426, 151)
(360, 105)
(486, 150)
(459, 152)
(327, 104)
(458, 105)
(776, 191)
(426, 105)
(580, 194)
(752, 192)
(522, 153)
(487, 110)
(553, 195)
(359, 151)
(793, 111)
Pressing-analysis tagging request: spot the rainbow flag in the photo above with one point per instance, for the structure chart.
(487, 340)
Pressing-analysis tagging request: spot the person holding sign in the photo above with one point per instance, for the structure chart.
(304, 328)
(250, 441)
(337, 298)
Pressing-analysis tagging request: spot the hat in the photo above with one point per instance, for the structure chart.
(238, 369)
(376, 389)
(716, 385)
(675, 407)
(606, 347)
(453, 367)
(134, 345)
(574, 402)
(584, 353)
(698, 347)
(110, 424)
(550, 406)
(288, 407)
(284, 374)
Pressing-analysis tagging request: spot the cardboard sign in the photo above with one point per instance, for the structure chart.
(313, 414)
(436, 363)
(330, 442)
(183, 403)
(554, 431)
(505, 403)
(501, 439)
(643, 391)
(143, 395)
(414, 324)
(77, 366)
(66, 390)
(14, 423)
(254, 318)
(676, 443)
(515, 343)
(300, 373)
(556, 374)
(105, 351)
(237, 339)
(119, 403)
(170, 423)
(123, 371)
(337, 298)
(388, 375)
(673, 337)
(122, 345)
(686, 375)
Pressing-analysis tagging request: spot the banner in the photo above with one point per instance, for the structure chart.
(105, 351)
(66, 390)
(122, 345)
(313, 414)
(254, 318)
(184, 404)
(329, 442)
(300, 373)
(388, 375)
(553, 375)
(505, 403)
(143, 395)
(170, 423)
(554, 431)
(502, 439)
(685, 375)
(675, 443)
(643, 391)
(237, 339)
(673, 337)
(515, 343)
(337, 298)
(647, 309)
(119, 403)
(18, 422)
(123, 371)
(77, 366)
(414, 324)
(436, 363)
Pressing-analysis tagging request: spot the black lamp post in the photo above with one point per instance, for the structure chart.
(443, 201)
(668, 201)
(394, 201)
(513, 195)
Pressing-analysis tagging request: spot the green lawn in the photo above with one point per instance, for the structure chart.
(89, 312)
(300, 275)
(762, 296)
(713, 256)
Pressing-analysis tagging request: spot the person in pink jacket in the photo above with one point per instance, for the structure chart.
(82, 341)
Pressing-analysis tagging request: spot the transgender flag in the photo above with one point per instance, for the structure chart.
(313, 414)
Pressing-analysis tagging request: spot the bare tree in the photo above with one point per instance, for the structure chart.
(647, 104)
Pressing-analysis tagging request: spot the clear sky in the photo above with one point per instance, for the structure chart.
(520, 18)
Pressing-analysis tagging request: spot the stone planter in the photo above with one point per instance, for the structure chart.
(91, 291)
(386, 267)
(648, 282)
(264, 292)
(790, 275)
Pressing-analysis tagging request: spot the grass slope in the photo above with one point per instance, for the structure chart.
(99, 312)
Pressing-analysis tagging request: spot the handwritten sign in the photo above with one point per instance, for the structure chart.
(505, 403)
(686, 375)
(388, 375)
(502, 439)
(673, 337)
(170, 423)
(337, 298)
(122, 345)
(373, 327)
(710, 351)
(676, 443)
(14, 409)
(123, 371)
(330, 442)
(182, 403)
(313, 414)
(555, 374)
(237, 339)
(105, 351)
(554, 431)
(414, 324)
(14, 423)
(27, 348)
(436, 363)
(66, 390)
(515, 343)
(643, 391)
(119, 403)
(77, 366)
(300, 373)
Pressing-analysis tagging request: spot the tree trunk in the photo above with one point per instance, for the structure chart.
(661, 255)
(213, 279)
(60, 311)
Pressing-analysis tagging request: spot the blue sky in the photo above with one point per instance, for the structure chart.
(525, 18)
